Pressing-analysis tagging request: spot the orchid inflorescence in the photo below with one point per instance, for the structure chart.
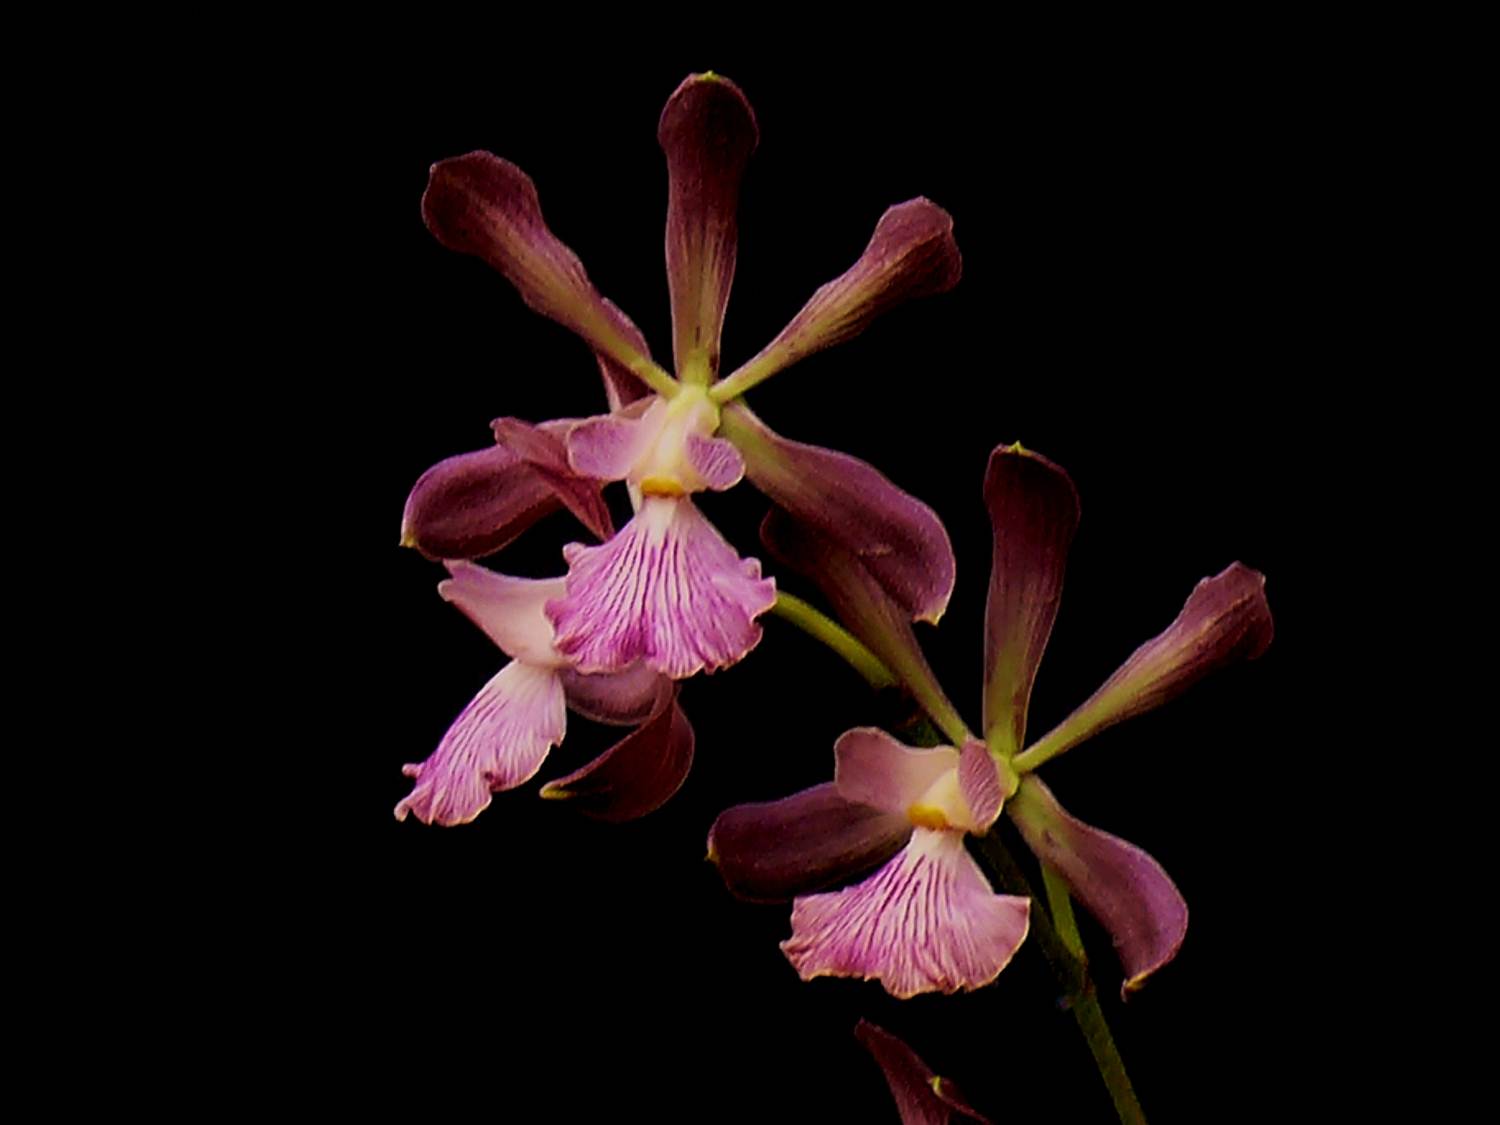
(666, 597)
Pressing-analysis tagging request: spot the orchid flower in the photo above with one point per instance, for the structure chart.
(503, 736)
(668, 591)
(922, 1097)
(928, 920)
(913, 923)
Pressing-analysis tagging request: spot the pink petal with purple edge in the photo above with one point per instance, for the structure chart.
(482, 205)
(1118, 883)
(1226, 619)
(667, 590)
(636, 775)
(509, 610)
(1033, 510)
(874, 769)
(979, 782)
(474, 504)
(544, 450)
(708, 132)
(927, 921)
(499, 741)
(772, 850)
(895, 536)
(911, 254)
(618, 698)
(717, 462)
(609, 446)
(922, 1098)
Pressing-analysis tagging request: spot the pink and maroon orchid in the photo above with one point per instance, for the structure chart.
(927, 920)
(668, 591)
(503, 736)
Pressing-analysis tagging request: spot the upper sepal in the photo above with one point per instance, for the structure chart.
(707, 131)
(1033, 510)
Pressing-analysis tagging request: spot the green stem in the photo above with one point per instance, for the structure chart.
(1085, 1005)
(825, 629)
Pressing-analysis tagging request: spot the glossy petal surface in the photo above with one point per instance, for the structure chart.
(474, 504)
(769, 851)
(498, 742)
(1117, 882)
(922, 1098)
(1033, 509)
(667, 590)
(707, 132)
(895, 536)
(482, 205)
(927, 921)
(1226, 619)
(636, 775)
(911, 254)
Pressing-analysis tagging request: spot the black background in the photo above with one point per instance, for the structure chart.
(1148, 255)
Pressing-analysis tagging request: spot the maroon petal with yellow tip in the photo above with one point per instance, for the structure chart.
(922, 1098)
(639, 773)
(773, 850)
(896, 537)
(1226, 618)
(544, 449)
(708, 132)
(1118, 883)
(1033, 510)
(911, 254)
(482, 205)
(474, 504)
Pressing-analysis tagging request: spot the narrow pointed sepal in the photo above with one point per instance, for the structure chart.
(636, 775)
(1033, 509)
(928, 921)
(1226, 619)
(499, 742)
(922, 1098)
(1119, 884)
(474, 504)
(770, 851)
(911, 254)
(895, 536)
(667, 590)
(707, 132)
(482, 205)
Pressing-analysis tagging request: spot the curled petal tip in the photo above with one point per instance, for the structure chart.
(552, 792)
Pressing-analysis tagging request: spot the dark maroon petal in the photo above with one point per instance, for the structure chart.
(546, 452)
(921, 1096)
(624, 699)
(637, 774)
(773, 850)
(621, 387)
(482, 205)
(1118, 883)
(896, 537)
(1226, 618)
(864, 606)
(1033, 510)
(912, 254)
(474, 504)
(708, 132)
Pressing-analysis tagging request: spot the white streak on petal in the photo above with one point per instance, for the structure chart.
(509, 610)
(928, 921)
(667, 590)
(499, 741)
